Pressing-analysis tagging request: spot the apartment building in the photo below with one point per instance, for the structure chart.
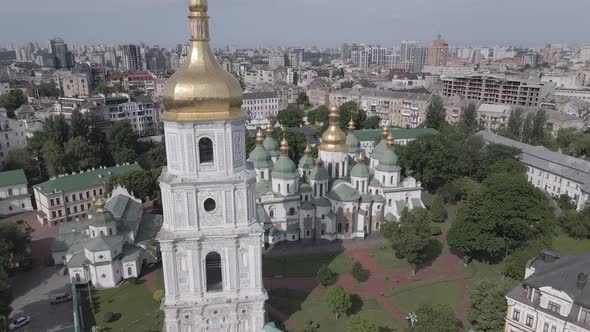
(12, 136)
(72, 84)
(142, 112)
(368, 137)
(259, 106)
(554, 296)
(496, 89)
(552, 172)
(67, 197)
(14, 196)
(396, 109)
(490, 116)
(583, 94)
(4, 88)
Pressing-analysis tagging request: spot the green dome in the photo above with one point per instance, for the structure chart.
(260, 157)
(98, 216)
(379, 149)
(306, 162)
(284, 168)
(389, 162)
(353, 143)
(305, 188)
(319, 173)
(271, 146)
(360, 170)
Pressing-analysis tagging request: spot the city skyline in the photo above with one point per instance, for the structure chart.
(326, 23)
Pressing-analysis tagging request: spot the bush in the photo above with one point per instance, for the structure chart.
(325, 276)
(358, 272)
(108, 317)
(435, 230)
(311, 326)
(158, 295)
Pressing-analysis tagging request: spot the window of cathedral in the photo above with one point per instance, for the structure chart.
(288, 188)
(205, 150)
(209, 204)
(346, 228)
(262, 175)
(213, 268)
(339, 228)
(390, 202)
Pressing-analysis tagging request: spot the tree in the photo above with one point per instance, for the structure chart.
(79, 155)
(515, 123)
(498, 158)
(57, 128)
(325, 276)
(488, 305)
(55, 160)
(358, 324)
(22, 159)
(412, 237)
(318, 115)
(515, 264)
(576, 224)
(346, 110)
(435, 114)
(438, 210)
(291, 117)
(140, 183)
(297, 142)
(122, 142)
(302, 99)
(338, 300)
(15, 248)
(527, 128)
(538, 127)
(77, 124)
(437, 317)
(5, 295)
(565, 202)
(107, 90)
(346, 84)
(469, 119)
(13, 100)
(372, 122)
(508, 212)
(48, 89)
(152, 247)
(358, 272)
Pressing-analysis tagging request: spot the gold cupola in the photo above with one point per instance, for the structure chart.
(201, 90)
(333, 138)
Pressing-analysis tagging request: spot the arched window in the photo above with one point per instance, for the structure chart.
(392, 180)
(346, 228)
(291, 211)
(262, 175)
(110, 231)
(129, 271)
(271, 212)
(93, 234)
(205, 150)
(288, 188)
(337, 169)
(213, 268)
(315, 189)
(321, 189)
(339, 228)
(357, 185)
(101, 233)
(77, 277)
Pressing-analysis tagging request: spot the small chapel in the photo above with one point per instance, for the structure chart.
(341, 195)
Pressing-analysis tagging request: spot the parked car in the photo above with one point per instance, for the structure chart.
(59, 298)
(19, 322)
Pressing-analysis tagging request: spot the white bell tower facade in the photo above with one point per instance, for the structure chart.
(211, 241)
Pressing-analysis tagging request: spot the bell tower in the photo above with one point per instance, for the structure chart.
(211, 241)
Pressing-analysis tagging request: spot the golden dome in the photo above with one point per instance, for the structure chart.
(351, 124)
(100, 203)
(390, 141)
(385, 132)
(333, 138)
(269, 129)
(307, 150)
(284, 147)
(201, 90)
(360, 158)
(259, 137)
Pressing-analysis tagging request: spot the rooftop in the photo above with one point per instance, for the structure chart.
(11, 178)
(397, 133)
(258, 95)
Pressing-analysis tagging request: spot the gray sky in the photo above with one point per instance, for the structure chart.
(256, 23)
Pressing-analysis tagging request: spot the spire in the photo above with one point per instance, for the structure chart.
(269, 129)
(99, 203)
(333, 116)
(284, 147)
(385, 132)
(307, 150)
(360, 158)
(351, 124)
(333, 139)
(259, 137)
(319, 162)
(199, 20)
(390, 141)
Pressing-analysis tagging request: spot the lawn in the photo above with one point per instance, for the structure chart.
(303, 307)
(385, 256)
(441, 291)
(132, 305)
(476, 271)
(305, 266)
(568, 245)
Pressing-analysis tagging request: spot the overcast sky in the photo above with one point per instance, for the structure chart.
(255, 23)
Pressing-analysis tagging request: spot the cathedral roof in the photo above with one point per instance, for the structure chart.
(360, 170)
(374, 183)
(343, 192)
(102, 243)
(379, 149)
(366, 198)
(389, 162)
(269, 143)
(333, 139)
(352, 141)
(321, 202)
(262, 187)
(260, 157)
(319, 172)
(98, 215)
(379, 198)
(306, 162)
(305, 188)
(293, 228)
(307, 206)
(284, 168)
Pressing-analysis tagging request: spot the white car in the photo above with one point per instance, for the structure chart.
(19, 322)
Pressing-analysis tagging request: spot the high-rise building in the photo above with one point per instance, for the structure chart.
(296, 57)
(132, 58)
(407, 51)
(438, 52)
(420, 57)
(59, 50)
(277, 59)
(211, 239)
(345, 50)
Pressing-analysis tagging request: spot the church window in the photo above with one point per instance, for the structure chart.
(383, 179)
(209, 205)
(291, 211)
(205, 150)
(389, 202)
(339, 228)
(213, 268)
(271, 212)
(279, 187)
(93, 234)
(262, 175)
(307, 233)
(110, 231)
(392, 180)
(77, 277)
(288, 188)
(346, 228)
(315, 189)
(357, 185)
(103, 276)
(337, 170)
(377, 226)
(407, 200)
(101, 233)
(321, 189)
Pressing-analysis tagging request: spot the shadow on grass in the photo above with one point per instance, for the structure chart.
(433, 250)
(357, 304)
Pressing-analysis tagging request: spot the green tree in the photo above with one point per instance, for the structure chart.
(412, 237)
(435, 114)
(571, 142)
(488, 305)
(318, 115)
(297, 142)
(5, 295)
(527, 128)
(80, 155)
(515, 264)
(13, 100)
(565, 202)
(15, 248)
(57, 128)
(575, 224)
(498, 158)
(346, 110)
(302, 99)
(22, 159)
(122, 142)
(515, 123)
(291, 117)
(438, 210)
(55, 160)
(346, 84)
(358, 272)
(538, 127)
(338, 300)
(325, 276)
(372, 122)
(77, 124)
(469, 119)
(106, 90)
(140, 183)
(48, 89)
(358, 324)
(438, 317)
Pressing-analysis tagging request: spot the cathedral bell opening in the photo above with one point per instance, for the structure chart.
(213, 268)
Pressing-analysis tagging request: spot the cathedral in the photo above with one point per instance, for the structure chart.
(341, 195)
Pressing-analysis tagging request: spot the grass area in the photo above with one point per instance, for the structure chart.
(132, 305)
(305, 266)
(385, 256)
(160, 278)
(303, 307)
(442, 291)
(568, 245)
(444, 226)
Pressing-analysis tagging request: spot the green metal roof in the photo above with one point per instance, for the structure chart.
(293, 228)
(284, 168)
(321, 202)
(102, 243)
(389, 162)
(263, 187)
(260, 157)
(366, 198)
(379, 199)
(306, 162)
(389, 217)
(397, 133)
(360, 170)
(271, 146)
(342, 192)
(307, 206)
(84, 180)
(11, 178)
(379, 149)
(374, 183)
(99, 219)
(305, 188)
(319, 174)
(353, 143)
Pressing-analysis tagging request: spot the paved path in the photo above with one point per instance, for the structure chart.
(446, 265)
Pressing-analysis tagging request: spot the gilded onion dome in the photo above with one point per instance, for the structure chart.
(260, 157)
(201, 90)
(352, 142)
(98, 215)
(333, 139)
(269, 143)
